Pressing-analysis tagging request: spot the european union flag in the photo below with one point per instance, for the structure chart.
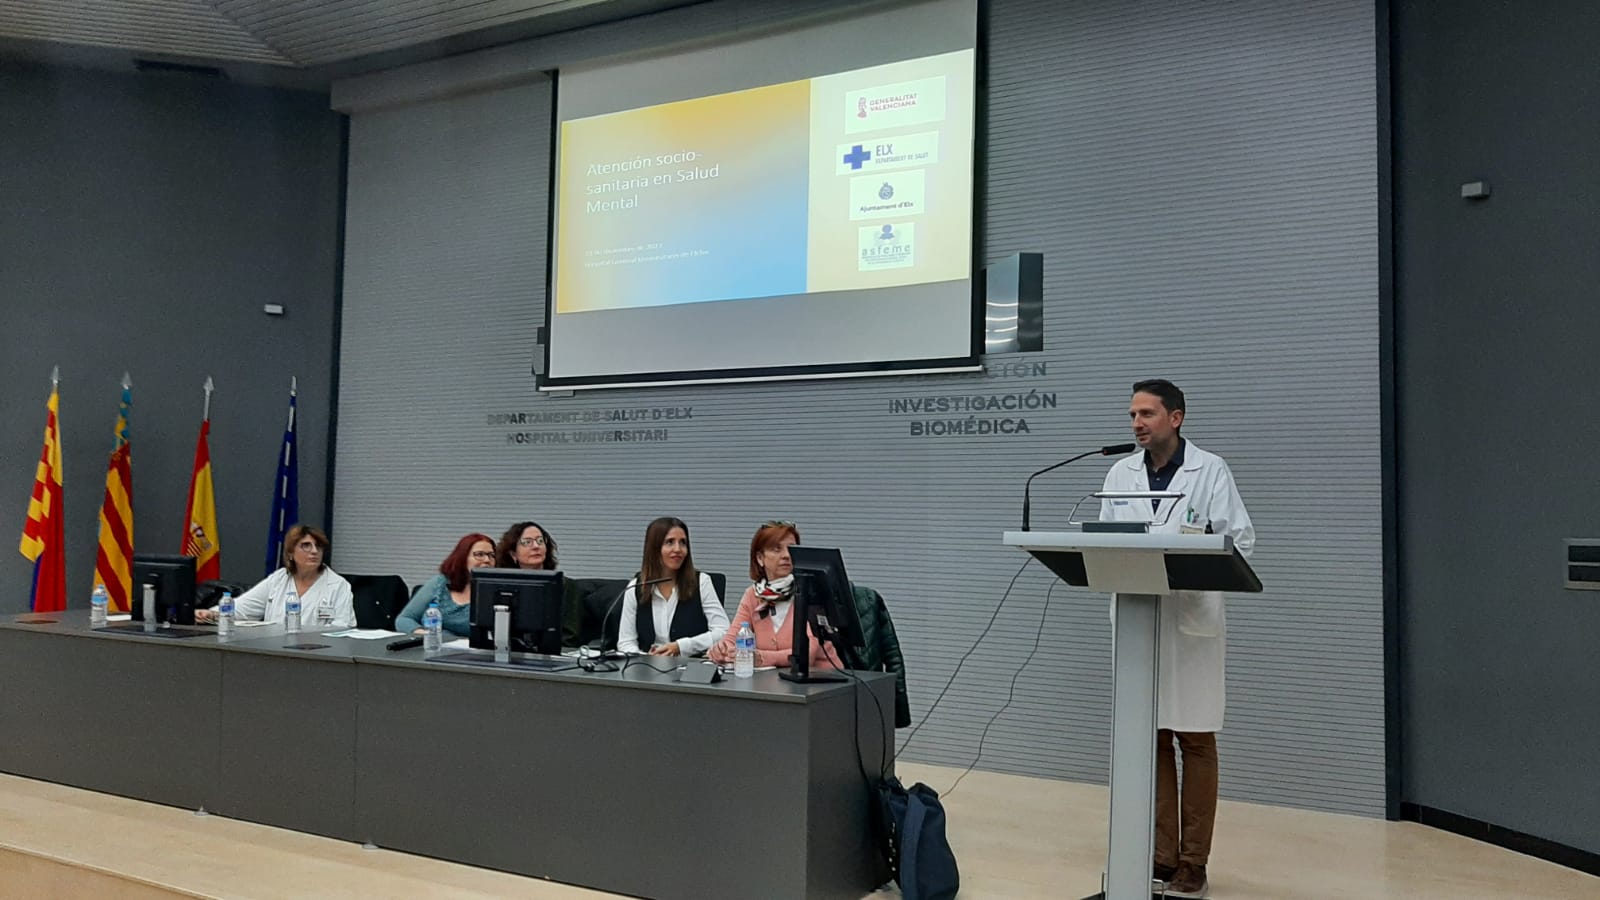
(285, 492)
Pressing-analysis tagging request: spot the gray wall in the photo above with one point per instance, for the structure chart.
(1497, 312)
(144, 221)
(1202, 181)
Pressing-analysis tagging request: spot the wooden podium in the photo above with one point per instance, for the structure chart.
(1137, 569)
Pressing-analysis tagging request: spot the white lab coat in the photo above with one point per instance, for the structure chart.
(265, 601)
(1193, 627)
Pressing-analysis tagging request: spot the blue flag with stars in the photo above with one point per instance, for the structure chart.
(285, 492)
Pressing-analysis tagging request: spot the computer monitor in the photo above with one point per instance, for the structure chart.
(824, 600)
(534, 598)
(173, 579)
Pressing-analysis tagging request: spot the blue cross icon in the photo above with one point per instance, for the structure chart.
(857, 156)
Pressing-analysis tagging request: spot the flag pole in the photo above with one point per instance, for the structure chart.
(206, 415)
(55, 377)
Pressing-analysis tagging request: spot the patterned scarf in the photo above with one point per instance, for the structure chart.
(770, 593)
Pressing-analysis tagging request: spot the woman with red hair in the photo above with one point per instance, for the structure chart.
(766, 602)
(451, 588)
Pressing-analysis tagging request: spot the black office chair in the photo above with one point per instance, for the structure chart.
(209, 593)
(720, 582)
(598, 597)
(601, 607)
(377, 599)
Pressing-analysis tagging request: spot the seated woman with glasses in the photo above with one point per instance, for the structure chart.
(766, 602)
(324, 594)
(451, 588)
(680, 616)
(527, 545)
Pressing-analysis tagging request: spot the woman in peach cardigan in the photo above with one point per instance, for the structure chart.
(766, 603)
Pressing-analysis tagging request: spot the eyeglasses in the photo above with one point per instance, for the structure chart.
(531, 542)
(309, 546)
(483, 554)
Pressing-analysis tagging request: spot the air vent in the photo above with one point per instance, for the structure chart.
(156, 65)
(1583, 564)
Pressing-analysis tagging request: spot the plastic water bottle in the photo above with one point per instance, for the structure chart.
(97, 606)
(744, 653)
(291, 612)
(225, 614)
(430, 628)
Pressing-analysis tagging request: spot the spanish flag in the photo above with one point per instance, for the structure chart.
(113, 562)
(42, 542)
(200, 530)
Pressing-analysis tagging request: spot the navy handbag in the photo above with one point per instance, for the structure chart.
(911, 836)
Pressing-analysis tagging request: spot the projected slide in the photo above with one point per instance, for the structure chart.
(851, 181)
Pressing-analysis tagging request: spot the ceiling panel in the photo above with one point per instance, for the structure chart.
(192, 28)
(288, 41)
(313, 32)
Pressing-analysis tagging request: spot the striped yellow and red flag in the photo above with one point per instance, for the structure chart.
(42, 541)
(113, 561)
(200, 525)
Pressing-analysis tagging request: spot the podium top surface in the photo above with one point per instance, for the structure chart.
(1120, 562)
(1078, 541)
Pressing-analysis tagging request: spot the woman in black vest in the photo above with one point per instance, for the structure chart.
(681, 614)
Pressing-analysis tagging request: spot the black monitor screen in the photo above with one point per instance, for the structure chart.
(173, 580)
(831, 603)
(534, 599)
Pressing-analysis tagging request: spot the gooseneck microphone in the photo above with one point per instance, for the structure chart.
(1108, 450)
(617, 603)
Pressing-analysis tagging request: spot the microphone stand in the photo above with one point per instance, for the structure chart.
(1109, 450)
(616, 605)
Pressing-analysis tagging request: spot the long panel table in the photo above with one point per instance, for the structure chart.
(627, 782)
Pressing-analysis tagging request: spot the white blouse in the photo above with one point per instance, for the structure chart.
(661, 613)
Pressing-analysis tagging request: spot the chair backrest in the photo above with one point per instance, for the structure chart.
(601, 606)
(597, 596)
(720, 582)
(377, 599)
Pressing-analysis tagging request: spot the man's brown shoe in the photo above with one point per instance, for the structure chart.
(1189, 881)
(1162, 872)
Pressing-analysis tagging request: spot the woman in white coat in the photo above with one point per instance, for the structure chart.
(325, 599)
(1192, 625)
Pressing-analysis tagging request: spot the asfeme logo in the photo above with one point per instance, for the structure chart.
(891, 245)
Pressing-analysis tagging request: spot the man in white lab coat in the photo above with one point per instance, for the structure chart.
(1192, 625)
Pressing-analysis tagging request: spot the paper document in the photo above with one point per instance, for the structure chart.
(364, 634)
(120, 617)
(251, 624)
(457, 644)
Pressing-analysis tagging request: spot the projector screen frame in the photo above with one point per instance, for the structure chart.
(971, 362)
